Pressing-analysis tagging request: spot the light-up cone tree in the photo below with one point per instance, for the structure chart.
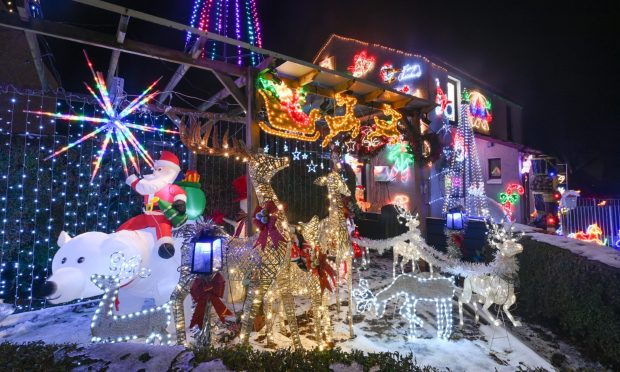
(464, 181)
(236, 19)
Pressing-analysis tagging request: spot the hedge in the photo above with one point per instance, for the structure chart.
(37, 356)
(576, 297)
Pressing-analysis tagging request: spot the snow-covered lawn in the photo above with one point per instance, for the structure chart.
(472, 348)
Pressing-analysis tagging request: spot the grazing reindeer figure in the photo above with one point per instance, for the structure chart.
(335, 234)
(344, 123)
(386, 128)
(493, 289)
(105, 327)
(303, 283)
(412, 289)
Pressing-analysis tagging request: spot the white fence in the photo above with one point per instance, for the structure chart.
(603, 212)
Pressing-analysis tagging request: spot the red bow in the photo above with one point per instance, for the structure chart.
(208, 291)
(322, 269)
(218, 217)
(265, 218)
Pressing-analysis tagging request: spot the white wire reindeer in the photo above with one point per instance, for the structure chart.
(408, 250)
(492, 288)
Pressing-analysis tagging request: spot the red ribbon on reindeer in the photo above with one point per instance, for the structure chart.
(205, 292)
(319, 267)
(265, 218)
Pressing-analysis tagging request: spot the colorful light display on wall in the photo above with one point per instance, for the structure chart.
(284, 111)
(388, 73)
(441, 100)
(363, 63)
(479, 110)
(387, 129)
(410, 72)
(114, 126)
(401, 156)
(510, 197)
(328, 63)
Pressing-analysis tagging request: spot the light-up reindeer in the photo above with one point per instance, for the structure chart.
(493, 289)
(264, 263)
(106, 327)
(386, 128)
(344, 123)
(304, 283)
(408, 250)
(335, 236)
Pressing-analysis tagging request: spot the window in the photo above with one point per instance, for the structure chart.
(453, 94)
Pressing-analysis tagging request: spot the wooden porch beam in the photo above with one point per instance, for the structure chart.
(121, 32)
(372, 96)
(234, 91)
(97, 39)
(181, 70)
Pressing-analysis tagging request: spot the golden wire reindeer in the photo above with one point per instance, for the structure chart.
(303, 283)
(334, 233)
(344, 123)
(281, 122)
(386, 128)
(261, 265)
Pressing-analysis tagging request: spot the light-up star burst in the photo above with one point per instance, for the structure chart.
(114, 127)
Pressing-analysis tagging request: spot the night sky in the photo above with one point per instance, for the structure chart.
(561, 62)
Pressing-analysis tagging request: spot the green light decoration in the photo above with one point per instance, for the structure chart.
(401, 155)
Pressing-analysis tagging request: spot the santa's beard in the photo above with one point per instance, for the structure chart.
(151, 183)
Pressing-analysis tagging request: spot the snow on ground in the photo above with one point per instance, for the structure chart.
(472, 348)
(592, 251)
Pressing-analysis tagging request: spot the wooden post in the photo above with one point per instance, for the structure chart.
(252, 138)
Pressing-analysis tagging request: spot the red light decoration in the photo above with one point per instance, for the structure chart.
(511, 197)
(362, 64)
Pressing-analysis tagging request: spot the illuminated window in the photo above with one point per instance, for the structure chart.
(453, 94)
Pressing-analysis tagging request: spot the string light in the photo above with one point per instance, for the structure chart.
(362, 64)
(106, 327)
(464, 182)
(112, 125)
(510, 197)
(386, 128)
(479, 110)
(410, 72)
(593, 234)
(284, 111)
(388, 73)
(345, 123)
(401, 155)
(335, 37)
(412, 289)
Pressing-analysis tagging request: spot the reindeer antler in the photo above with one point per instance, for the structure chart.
(195, 136)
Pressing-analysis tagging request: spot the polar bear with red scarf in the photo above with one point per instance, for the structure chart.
(155, 187)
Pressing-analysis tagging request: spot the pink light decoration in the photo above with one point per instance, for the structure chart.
(115, 128)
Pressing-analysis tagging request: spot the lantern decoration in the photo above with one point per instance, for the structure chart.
(196, 199)
(207, 256)
(455, 219)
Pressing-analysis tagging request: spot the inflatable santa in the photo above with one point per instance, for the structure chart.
(164, 202)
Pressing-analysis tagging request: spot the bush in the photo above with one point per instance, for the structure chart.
(574, 296)
(38, 356)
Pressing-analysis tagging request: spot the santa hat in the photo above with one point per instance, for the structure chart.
(240, 184)
(168, 159)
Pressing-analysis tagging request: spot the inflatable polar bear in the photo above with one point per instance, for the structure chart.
(89, 254)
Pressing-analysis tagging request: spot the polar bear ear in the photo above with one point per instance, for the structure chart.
(63, 238)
